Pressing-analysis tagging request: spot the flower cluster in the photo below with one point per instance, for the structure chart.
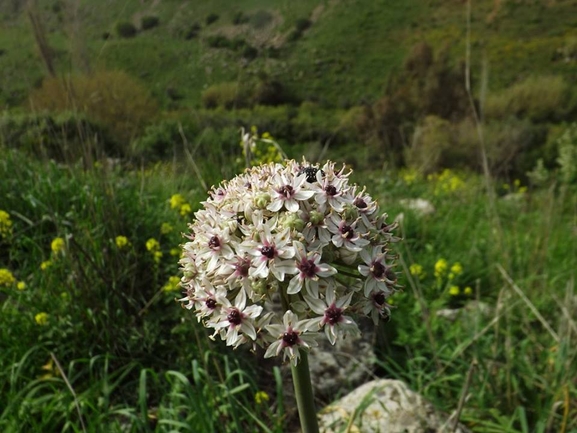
(296, 235)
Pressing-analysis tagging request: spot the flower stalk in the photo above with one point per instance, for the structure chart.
(304, 395)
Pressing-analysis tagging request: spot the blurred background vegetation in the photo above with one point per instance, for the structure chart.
(118, 115)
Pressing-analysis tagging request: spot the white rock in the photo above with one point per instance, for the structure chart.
(384, 406)
(420, 206)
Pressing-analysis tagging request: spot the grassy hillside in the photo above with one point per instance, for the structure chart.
(344, 57)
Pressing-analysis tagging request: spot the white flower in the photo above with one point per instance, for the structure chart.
(379, 276)
(376, 306)
(345, 235)
(332, 314)
(288, 193)
(289, 337)
(310, 270)
(236, 319)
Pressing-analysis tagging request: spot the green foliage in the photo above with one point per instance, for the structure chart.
(114, 99)
(538, 98)
(125, 29)
(65, 137)
(302, 24)
(149, 22)
(226, 95)
(567, 159)
(240, 17)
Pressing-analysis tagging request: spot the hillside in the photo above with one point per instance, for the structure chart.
(336, 52)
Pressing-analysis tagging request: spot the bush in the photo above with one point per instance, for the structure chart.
(240, 18)
(226, 95)
(431, 139)
(192, 31)
(249, 52)
(149, 22)
(211, 18)
(218, 41)
(539, 98)
(125, 29)
(65, 137)
(116, 100)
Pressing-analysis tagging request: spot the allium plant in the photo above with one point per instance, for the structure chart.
(295, 235)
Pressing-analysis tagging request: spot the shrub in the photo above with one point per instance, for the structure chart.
(249, 52)
(431, 139)
(149, 22)
(218, 41)
(65, 137)
(192, 31)
(211, 18)
(240, 18)
(115, 99)
(539, 98)
(226, 95)
(125, 29)
(270, 92)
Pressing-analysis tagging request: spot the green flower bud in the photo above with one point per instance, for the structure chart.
(292, 221)
(316, 217)
(350, 212)
(261, 201)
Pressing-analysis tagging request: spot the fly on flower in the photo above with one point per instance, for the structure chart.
(297, 234)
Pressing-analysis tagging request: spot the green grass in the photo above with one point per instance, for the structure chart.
(117, 353)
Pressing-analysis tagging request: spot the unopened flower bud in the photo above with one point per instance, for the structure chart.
(262, 200)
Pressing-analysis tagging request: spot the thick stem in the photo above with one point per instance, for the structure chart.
(304, 395)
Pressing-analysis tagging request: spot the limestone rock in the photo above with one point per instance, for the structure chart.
(384, 405)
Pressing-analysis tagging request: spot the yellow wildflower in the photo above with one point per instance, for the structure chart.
(172, 284)
(5, 224)
(440, 268)
(152, 245)
(409, 176)
(454, 290)
(468, 291)
(417, 270)
(157, 256)
(266, 136)
(175, 252)
(166, 228)
(185, 209)
(121, 241)
(261, 397)
(57, 245)
(50, 370)
(176, 201)
(45, 265)
(6, 278)
(41, 319)
(21, 285)
(457, 268)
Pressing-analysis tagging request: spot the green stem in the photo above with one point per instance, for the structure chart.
(304, 395)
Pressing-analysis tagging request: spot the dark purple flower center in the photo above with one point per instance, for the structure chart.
(290, 338)
(360, 203)
(330, 190)
(234, 317)
(379, 299)
(347, 231)
(333, 314)
(268, 251)
(308, 268)
(378, 270)
(211, 303)
(214, 243)
(286, 191)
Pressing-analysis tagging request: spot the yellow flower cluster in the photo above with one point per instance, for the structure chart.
(121, 241)
(5, 225)
(57, 245)
(441, 268)
(6, 278)
(261, 150)
(261, 397)
(517, 188)
(177, 201)
(417, 270)
(41, 319)
(166, 228)
(153, 246)
(409, 176)
(446, 182)
(173, 284)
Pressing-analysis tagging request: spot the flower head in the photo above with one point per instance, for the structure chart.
(121, 241)
(57, 245)
(5, 224)
(41, 318)
(296, 232)
(6, 278)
